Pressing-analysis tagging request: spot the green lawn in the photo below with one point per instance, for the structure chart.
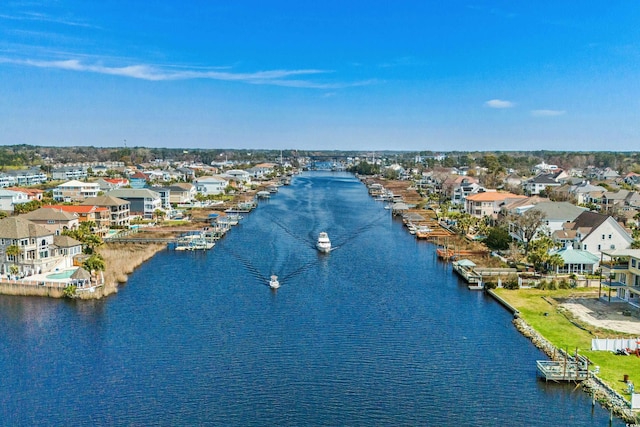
(539, 309)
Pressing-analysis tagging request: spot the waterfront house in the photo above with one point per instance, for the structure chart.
(100, 216)
(210, 185)
(54, 220)
(68, 248)
(488, 203)
(595, 232)
(165, 195)
(37, 253)
(260, 170)
(119, 209)
(621, 272)
(10, 198)
(143, 201)
(576, 261)
(75, 191)
(182, 192)
(237, 175)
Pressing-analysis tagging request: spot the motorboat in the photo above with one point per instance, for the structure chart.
(273, 283)
(324, 244)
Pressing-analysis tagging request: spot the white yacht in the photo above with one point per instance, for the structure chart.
(273, 283)
(324, 244)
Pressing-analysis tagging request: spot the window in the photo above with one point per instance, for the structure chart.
(633, 262)
(603, 237)
(599, 247)
(609, 236)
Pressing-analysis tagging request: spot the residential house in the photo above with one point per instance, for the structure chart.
(98, 215)
(463, 189)
(68, 248)
(165, 196)
(488, 203)
(182, 192)
(75, 191)
(210, 185)
(54, 220)
(576, 261)
(237, 175)
(24, 177)
(582, 191)
(595, 232)
(10, 198)
(143, 201)
(260, 170)
(108, 184)
(37, 250)
(138, 180)
(69, 173)
(621, 272)
(119, 209)
(540, 183)
(32, 193)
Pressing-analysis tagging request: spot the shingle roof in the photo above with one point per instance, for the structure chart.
(21, 228)
(107, 200)
(46, 214)
(65, 241)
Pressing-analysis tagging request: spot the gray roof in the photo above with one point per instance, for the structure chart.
(65, 242)
(49, 214)
(133, 193)
(21, 228)
(108, 200)
(559, 211)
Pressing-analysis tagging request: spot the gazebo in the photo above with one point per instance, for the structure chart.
(81, 278)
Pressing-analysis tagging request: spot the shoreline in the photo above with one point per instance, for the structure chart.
(594, 386)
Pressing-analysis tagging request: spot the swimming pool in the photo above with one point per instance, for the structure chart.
(62, 275)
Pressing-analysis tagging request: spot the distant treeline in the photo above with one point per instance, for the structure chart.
(28, 155)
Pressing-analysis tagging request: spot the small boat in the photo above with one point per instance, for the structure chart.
(273, 283)
(324, 244)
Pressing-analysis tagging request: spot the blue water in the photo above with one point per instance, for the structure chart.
(378, 332)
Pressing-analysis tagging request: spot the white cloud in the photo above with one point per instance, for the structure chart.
(547, 113)
(499, 103)
(157, 73)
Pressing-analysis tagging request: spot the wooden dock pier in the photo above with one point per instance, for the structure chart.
(570, 369)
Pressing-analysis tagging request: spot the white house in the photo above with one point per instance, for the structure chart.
(210, 185)
(10, 198)
(594, 232)
(237, 175)
(75, 191)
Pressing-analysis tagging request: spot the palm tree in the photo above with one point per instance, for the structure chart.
(13, 251)
(94, 263)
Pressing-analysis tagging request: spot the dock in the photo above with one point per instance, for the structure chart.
(574, 368)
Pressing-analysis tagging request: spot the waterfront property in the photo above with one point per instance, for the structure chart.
(118, 208)
(143, 201)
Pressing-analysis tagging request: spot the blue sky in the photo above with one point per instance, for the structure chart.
(350, 75)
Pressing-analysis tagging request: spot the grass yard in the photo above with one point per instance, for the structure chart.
(540, 309)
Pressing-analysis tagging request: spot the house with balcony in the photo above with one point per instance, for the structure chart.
(143, 201)
(182, 192)
(69, 173)
(37, 252)
(540, 183)
(119, 209)
(210, 185)
(488, 203)
(75, 191)
(108, 184)
(595, 232)
(621, 273)
(54, 220)
(10, 198)
(25, 177)
(88, 213)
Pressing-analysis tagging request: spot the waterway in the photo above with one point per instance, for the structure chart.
(378, 332)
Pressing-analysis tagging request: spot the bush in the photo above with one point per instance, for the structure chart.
(511, 282)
